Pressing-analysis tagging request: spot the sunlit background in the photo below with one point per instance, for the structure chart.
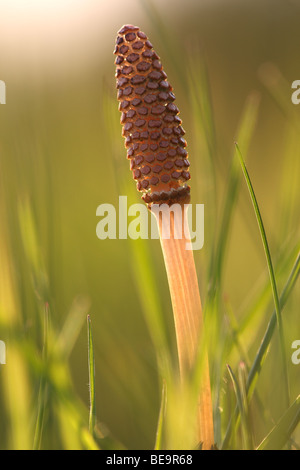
(62, 154)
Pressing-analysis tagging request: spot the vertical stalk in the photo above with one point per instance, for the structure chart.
(91, 362)
(187, 311)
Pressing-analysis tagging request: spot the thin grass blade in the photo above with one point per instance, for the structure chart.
(91, 361)
(72, 326)
(280, 434)
(241, 398)
(42, 398)
(271, 273)
(263, 349)
(161, 418)
(245, 133)
(212, 308)
(261, 354)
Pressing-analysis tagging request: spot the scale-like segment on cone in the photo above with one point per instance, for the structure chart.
(151, 125)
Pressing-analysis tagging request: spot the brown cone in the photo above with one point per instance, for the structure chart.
(151, 125)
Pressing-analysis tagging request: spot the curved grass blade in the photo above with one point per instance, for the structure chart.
(241, 397)
(42, 397)
(91, 361)
(280, 434)
(261, 354)
(263, 349)
(72, 326)
(145, 276)
(271, 273)
(212, 308)
(260, 294)
(161, 417)
(245, 133)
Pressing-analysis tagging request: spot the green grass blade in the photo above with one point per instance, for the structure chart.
(72, 326)
(161, 417)
(261, 354)
(42, 397)
(280, 434)
(147, 288)
(241, 398)
(91, 361)
(271, 273)
(236, 389)
(167, 37)
(212, 308)
(259, 295)
(263, 349)
(204, 141)
(244, 133)
(247, 431)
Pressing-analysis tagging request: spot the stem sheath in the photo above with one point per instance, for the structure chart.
(187, 310)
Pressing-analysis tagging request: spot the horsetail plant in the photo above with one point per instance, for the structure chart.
(159, 163)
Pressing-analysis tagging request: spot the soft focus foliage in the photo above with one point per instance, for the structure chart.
(62, 154)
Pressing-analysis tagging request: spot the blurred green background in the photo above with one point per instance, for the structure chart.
(62, 154)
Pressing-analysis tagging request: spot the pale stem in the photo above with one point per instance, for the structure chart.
(187, 310)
